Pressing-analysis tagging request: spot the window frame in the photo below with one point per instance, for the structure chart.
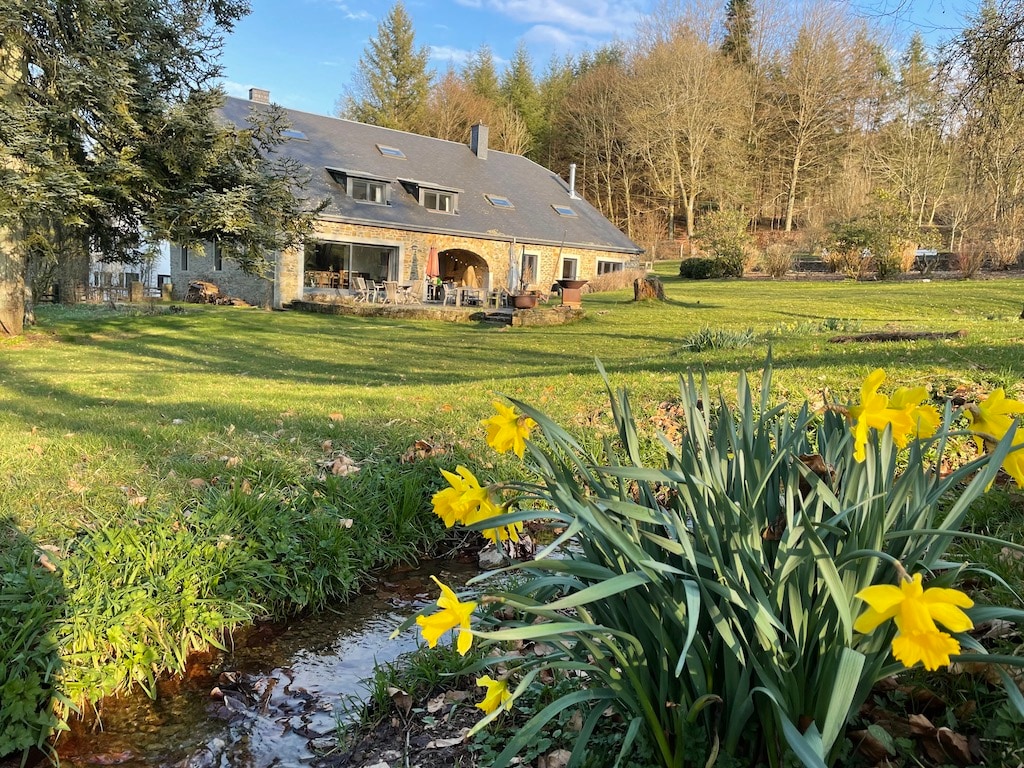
(504, 204)
(371, 184)
(439, 194)
(610, 266)
(574, 261)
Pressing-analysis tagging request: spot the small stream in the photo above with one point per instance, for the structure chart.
(282, 688)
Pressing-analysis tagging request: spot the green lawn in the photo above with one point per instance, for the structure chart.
(97, 401)
(171, 464)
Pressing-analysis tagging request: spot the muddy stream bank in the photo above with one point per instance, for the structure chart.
(275, 699)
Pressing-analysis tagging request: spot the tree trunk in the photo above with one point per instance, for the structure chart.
(648, 288)
(791, 198)
(12, 286)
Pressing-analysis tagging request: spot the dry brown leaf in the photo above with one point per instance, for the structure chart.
(346, 522)
(557, 759)
(921, 725)
(401, 700)
(336, 416)
(197, 483)
(446, 408)
(46, 562)
(36, 449)
(138, 501)
(246, 487)
(76, 487)
(327, 446)
(445, 743)
(955, 746)
(453, 696)
(233, 461)
(868, 746)
(436, 704)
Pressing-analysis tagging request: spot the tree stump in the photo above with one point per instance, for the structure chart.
(648, 288)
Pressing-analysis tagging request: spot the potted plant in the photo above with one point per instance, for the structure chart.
(522, 298)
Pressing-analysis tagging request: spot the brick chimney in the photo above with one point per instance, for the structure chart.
(478, 140)
(259, 95)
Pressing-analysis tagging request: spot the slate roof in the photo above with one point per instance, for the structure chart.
(447, 165)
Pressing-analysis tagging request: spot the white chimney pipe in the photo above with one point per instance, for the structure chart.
(572, 180)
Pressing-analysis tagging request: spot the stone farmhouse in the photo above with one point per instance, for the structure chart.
(394, 197)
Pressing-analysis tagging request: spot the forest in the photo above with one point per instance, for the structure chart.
(802, 123)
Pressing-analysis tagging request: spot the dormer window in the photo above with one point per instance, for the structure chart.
(436, 200)
(363, 187)
(368, 191)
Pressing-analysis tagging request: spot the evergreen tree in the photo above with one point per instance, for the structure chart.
(392, 84)
(103, 143)
(481, 76)
(739, 24)
(519, 91)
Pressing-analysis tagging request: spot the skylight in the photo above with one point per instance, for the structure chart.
(499, 202)
(291, 133)
(390, 151)
(564, 210)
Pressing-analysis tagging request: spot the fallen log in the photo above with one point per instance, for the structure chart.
(899, 336)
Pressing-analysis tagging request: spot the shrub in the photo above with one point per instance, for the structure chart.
(777, 259)
(614, 281)
(713, 599)
(723, 233)
(701, 268)
(969, 263)
(1006, 251)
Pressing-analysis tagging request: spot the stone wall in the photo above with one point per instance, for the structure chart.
(284, 281)
(230, 279)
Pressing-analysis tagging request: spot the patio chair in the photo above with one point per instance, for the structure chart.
(450, 293)
(390, 291)
(378, 292)
(362, 290)
(412, 294)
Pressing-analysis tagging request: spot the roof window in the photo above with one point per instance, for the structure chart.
(390, 151)
(499, 201)
(564, 210)
(292, 133)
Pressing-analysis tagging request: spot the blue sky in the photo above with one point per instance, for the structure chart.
(305, 51)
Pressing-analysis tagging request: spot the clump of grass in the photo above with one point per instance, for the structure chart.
(614, 281)
(719, 338)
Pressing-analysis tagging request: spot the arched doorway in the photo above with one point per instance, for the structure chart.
(455, 262)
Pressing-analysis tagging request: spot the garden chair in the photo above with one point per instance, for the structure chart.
(362, 290)
(390, 291)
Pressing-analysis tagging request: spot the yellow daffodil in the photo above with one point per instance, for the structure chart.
(453, 614)
(508, 430)
(497, 694)
(874, 412)
(992, 419)
(926, 418)
(916, 611)
(500, 533)
(462, 500)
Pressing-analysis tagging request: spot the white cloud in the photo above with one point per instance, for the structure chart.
(238, 90)
(553, 37)
(351, 14)
(595, 17)
(457, 56)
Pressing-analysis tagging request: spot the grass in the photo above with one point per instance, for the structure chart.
(121, 422)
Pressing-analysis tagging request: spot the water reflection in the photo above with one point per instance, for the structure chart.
(282, 687)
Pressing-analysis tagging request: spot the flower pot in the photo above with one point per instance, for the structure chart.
(524, 301)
